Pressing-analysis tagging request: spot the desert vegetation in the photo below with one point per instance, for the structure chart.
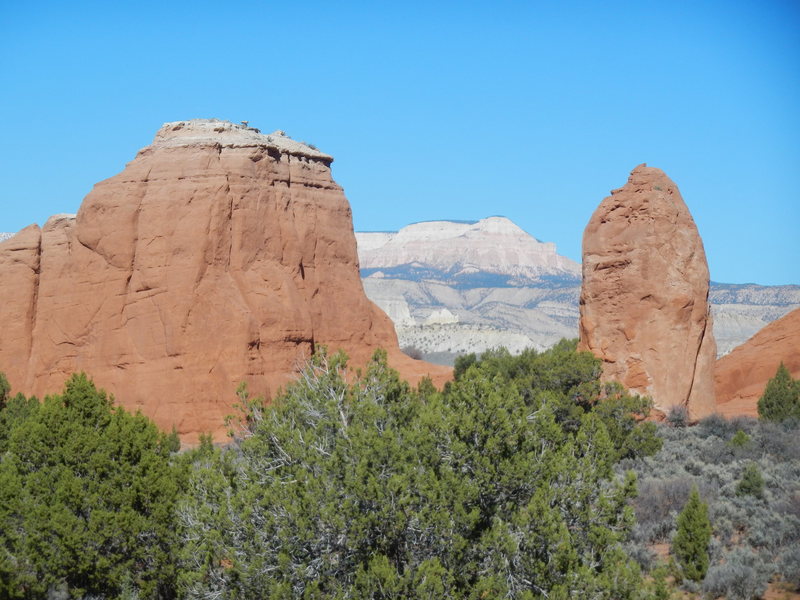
(746, 474)
(524, 478)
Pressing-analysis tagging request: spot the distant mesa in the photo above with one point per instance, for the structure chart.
(644, 299)
(219, 255)
(466, 286)
(494, 245)
(742, 375)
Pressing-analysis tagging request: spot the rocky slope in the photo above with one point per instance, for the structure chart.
(219, 255)
(644, 296)
(504, 304)
(742, 375)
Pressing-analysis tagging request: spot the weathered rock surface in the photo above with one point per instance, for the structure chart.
(644, 298)
(219, 255)
(741, 376)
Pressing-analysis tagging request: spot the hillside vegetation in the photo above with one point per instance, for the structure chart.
(518, 480)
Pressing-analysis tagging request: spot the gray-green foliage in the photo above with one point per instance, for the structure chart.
(789, 563)
(742, 575)
(747, 471)
(369, 489)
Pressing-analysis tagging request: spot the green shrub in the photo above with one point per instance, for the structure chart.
(87, 494)
(366, 488)
(752, 482)
(781, 398)
(740, 439)
(693, 535)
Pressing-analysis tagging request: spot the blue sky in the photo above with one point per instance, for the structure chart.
(460, 110)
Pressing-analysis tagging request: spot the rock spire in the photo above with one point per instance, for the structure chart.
(644, 299)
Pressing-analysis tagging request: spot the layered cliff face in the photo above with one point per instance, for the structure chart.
(742, 375)
(644, 298)
(219, 255)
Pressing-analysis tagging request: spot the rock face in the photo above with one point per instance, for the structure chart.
(644, 299)
(219, 255)
(741, 376)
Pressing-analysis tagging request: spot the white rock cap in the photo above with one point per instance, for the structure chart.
(214, 131)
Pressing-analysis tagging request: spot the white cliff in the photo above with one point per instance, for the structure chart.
(494, 245)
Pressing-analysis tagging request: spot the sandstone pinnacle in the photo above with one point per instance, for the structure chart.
(644, 299)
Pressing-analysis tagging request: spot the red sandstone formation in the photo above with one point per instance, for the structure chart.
(742, 375)
(644, 300)
(219, 255)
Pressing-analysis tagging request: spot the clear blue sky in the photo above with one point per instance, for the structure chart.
(433, 110)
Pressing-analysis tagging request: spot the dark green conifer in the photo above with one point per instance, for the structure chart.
(781, 398)
(87, 497)
(5, 388)
(690, 545)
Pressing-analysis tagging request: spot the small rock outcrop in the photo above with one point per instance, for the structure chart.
(219, 255)
(644, 299)
(741, 376)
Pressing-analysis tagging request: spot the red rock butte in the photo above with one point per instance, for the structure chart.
(218, 255)
(742, 375)
(644, 298)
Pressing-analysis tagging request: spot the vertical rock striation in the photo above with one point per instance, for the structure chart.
(219, 255)
(644, 299)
